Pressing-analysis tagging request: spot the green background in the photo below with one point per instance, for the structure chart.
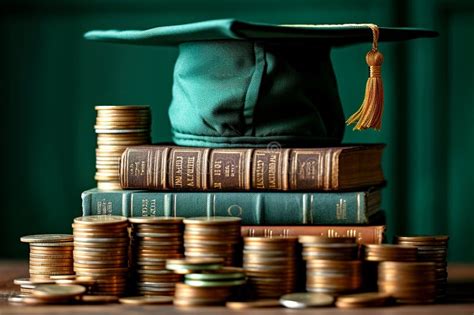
(50, 80)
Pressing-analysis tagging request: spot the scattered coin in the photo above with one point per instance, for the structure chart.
(304, 300)
(253, 304)
(99, 299)
(145, 300)
(369, 299)
(57, 291)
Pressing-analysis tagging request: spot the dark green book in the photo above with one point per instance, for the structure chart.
(255, 208)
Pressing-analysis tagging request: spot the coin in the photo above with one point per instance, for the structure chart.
(145, 300)
(99, 299)
(304, 300)
(253, 304)
(55, 291)
(45, 238)
(101, 220)
(29, 281)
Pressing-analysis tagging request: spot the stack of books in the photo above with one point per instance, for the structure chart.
(331, 191)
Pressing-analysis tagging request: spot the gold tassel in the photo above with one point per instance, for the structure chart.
(370, 112)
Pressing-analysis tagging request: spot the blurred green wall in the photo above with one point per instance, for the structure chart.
(51, 79)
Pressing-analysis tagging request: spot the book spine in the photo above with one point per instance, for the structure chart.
(198, 169)
(255, 208)
(96, 202)
(364, 234)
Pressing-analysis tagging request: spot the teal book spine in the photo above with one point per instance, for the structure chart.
(255, 208)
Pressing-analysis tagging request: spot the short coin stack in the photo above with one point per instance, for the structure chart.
(408, 282)
(213, 237)
(331, 264)
(373, 254)
(270, 264)
(50, 255)
(154, 240)
(118, 127)
(50, 294)
(435, 249)
(101, 245)
(207, 282)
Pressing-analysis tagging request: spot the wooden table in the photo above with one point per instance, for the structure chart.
(460, 300)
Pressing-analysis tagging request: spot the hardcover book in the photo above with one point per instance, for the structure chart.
(160, 167)
(255, 208)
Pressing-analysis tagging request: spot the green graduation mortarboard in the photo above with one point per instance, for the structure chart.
(242, 84)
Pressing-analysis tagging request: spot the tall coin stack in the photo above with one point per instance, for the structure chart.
(331, 264)
(50, 255)
(270, 264)
(118, 127)
(154, 240)
(408, 282)
(213, 237)
(435, 249)
(101, 245)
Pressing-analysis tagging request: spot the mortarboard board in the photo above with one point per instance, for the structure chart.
(249, 84)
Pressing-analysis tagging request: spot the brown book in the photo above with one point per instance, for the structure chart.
(159, 167)
(373, 234)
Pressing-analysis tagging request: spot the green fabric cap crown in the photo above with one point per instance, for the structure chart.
(246, 84)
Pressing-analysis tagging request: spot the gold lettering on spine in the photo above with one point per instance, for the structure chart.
(104, 207)
(190, 169)
(178, 172)
(341, 210)
(272, 172)
(260, 171)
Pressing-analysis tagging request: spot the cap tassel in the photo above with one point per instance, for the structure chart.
(370, 112)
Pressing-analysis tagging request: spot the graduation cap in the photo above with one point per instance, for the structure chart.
(250, 84)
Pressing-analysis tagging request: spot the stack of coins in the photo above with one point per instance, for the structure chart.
(154, 240)
(375, 253)
(50, 254)
(101, 247)
(207, 282)
(331, 264)
(187, 295)
(408, 282)
(333, 276)
(431, 248)
(213, 237)
(319, 247)
(118, 127)
(270, 264)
